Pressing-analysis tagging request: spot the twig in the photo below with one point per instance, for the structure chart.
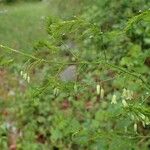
(138, 76)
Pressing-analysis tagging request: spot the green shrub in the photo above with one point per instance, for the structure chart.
(107, 106)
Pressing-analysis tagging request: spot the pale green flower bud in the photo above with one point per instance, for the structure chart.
(102, 93)
(135, 127)
(56, 91)
(147, 121)
(142, 116)
(143, 123)
(132, 117)
(21, 73)
(28, 79)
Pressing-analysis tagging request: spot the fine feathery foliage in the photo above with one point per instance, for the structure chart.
(105, 107)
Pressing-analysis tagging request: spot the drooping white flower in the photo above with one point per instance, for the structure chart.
(125, 104)
(102, 93)
(114, 99)
(98, 89)
(127, 94)
(25, 76)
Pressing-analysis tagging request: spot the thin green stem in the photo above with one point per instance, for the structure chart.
(138, 76)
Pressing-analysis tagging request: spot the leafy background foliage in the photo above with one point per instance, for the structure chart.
(109, 44)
